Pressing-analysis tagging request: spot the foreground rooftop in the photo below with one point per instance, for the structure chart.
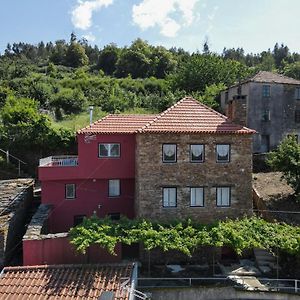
(65, 282)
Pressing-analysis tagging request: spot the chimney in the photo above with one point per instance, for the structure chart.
(91, 114)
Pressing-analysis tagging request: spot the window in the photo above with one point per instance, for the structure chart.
(197, 153)
(114, 216)
(223, 153)
(114, 187)
(223, 196)
(78, 219)
(70, 191)
(197, 196)
(109, 150)
(297, 93)
(170, 197)
(169, 152)
(266, 115)
(297, 116)
(266, 91)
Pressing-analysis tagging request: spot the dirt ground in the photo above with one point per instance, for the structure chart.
(278, 197)
(270, 186)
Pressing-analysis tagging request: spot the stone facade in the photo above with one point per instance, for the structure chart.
(152, 175)
(273, 116)
(16, 196)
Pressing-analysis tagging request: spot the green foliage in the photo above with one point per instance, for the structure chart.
(292, 70)
(186, 236)
(71, 101)
(287, 160)
(75, 56)
(204, 70)
(108, 58)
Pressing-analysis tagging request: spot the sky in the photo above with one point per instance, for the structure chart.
(255, 25)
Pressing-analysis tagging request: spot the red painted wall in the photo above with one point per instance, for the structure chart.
(91, 166)
(60, 251)
(89, 195)
(91, 178)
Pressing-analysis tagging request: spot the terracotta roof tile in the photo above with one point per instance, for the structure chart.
(269, 77)
(64, 282)
(190, 116)
(186, 116)
(117, 124)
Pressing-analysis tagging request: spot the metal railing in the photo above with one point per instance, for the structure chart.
(8, 160)
(59, 161)
(263, 284)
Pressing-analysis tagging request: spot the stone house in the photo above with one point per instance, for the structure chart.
(268, 103)
(187, 162)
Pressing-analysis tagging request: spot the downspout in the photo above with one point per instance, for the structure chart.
(133, 283)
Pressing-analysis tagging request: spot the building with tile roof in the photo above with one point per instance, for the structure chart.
(186, 162)
(88, 282)
(267, 102)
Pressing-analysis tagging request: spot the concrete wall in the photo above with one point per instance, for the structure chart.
(152, 175)
(41, 248)
(215, 293)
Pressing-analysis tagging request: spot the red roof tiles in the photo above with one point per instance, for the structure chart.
(118, 124)
(64, 282)
(186, 116)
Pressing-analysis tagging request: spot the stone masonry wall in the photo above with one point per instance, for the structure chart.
(152, 175)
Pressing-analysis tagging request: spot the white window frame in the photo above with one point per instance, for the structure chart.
(167, 194)
(191, 153)
(217, 153)
(163, 153)
(73, 191)
(197, 196)
(109, 150)
(221, 193)
(111, 192)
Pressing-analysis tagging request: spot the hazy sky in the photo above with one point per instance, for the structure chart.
(255, 25)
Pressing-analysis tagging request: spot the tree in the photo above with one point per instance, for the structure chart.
(108, 59)
(75, 56)
(204, 70)
(280, 54)
(292, 70)
(287, 160)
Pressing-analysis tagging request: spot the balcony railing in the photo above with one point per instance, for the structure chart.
(59, 161)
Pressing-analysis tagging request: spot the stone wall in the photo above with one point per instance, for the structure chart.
(16, 196)
(152, 175)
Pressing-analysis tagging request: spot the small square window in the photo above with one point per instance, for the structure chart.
(115, 216)
(223, 196)
(297, 93)
(197, 153)
(109, 150)
(114, 187)
(266, 91)
(297, 116)
(223, 153)
(170, 197)
(266, 115)
(169, 153)
(78, 220)
(70, 191)
(197, 196)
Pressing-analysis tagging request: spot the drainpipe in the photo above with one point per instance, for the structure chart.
(91, 114)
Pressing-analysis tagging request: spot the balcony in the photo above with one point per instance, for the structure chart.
(59, 161)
